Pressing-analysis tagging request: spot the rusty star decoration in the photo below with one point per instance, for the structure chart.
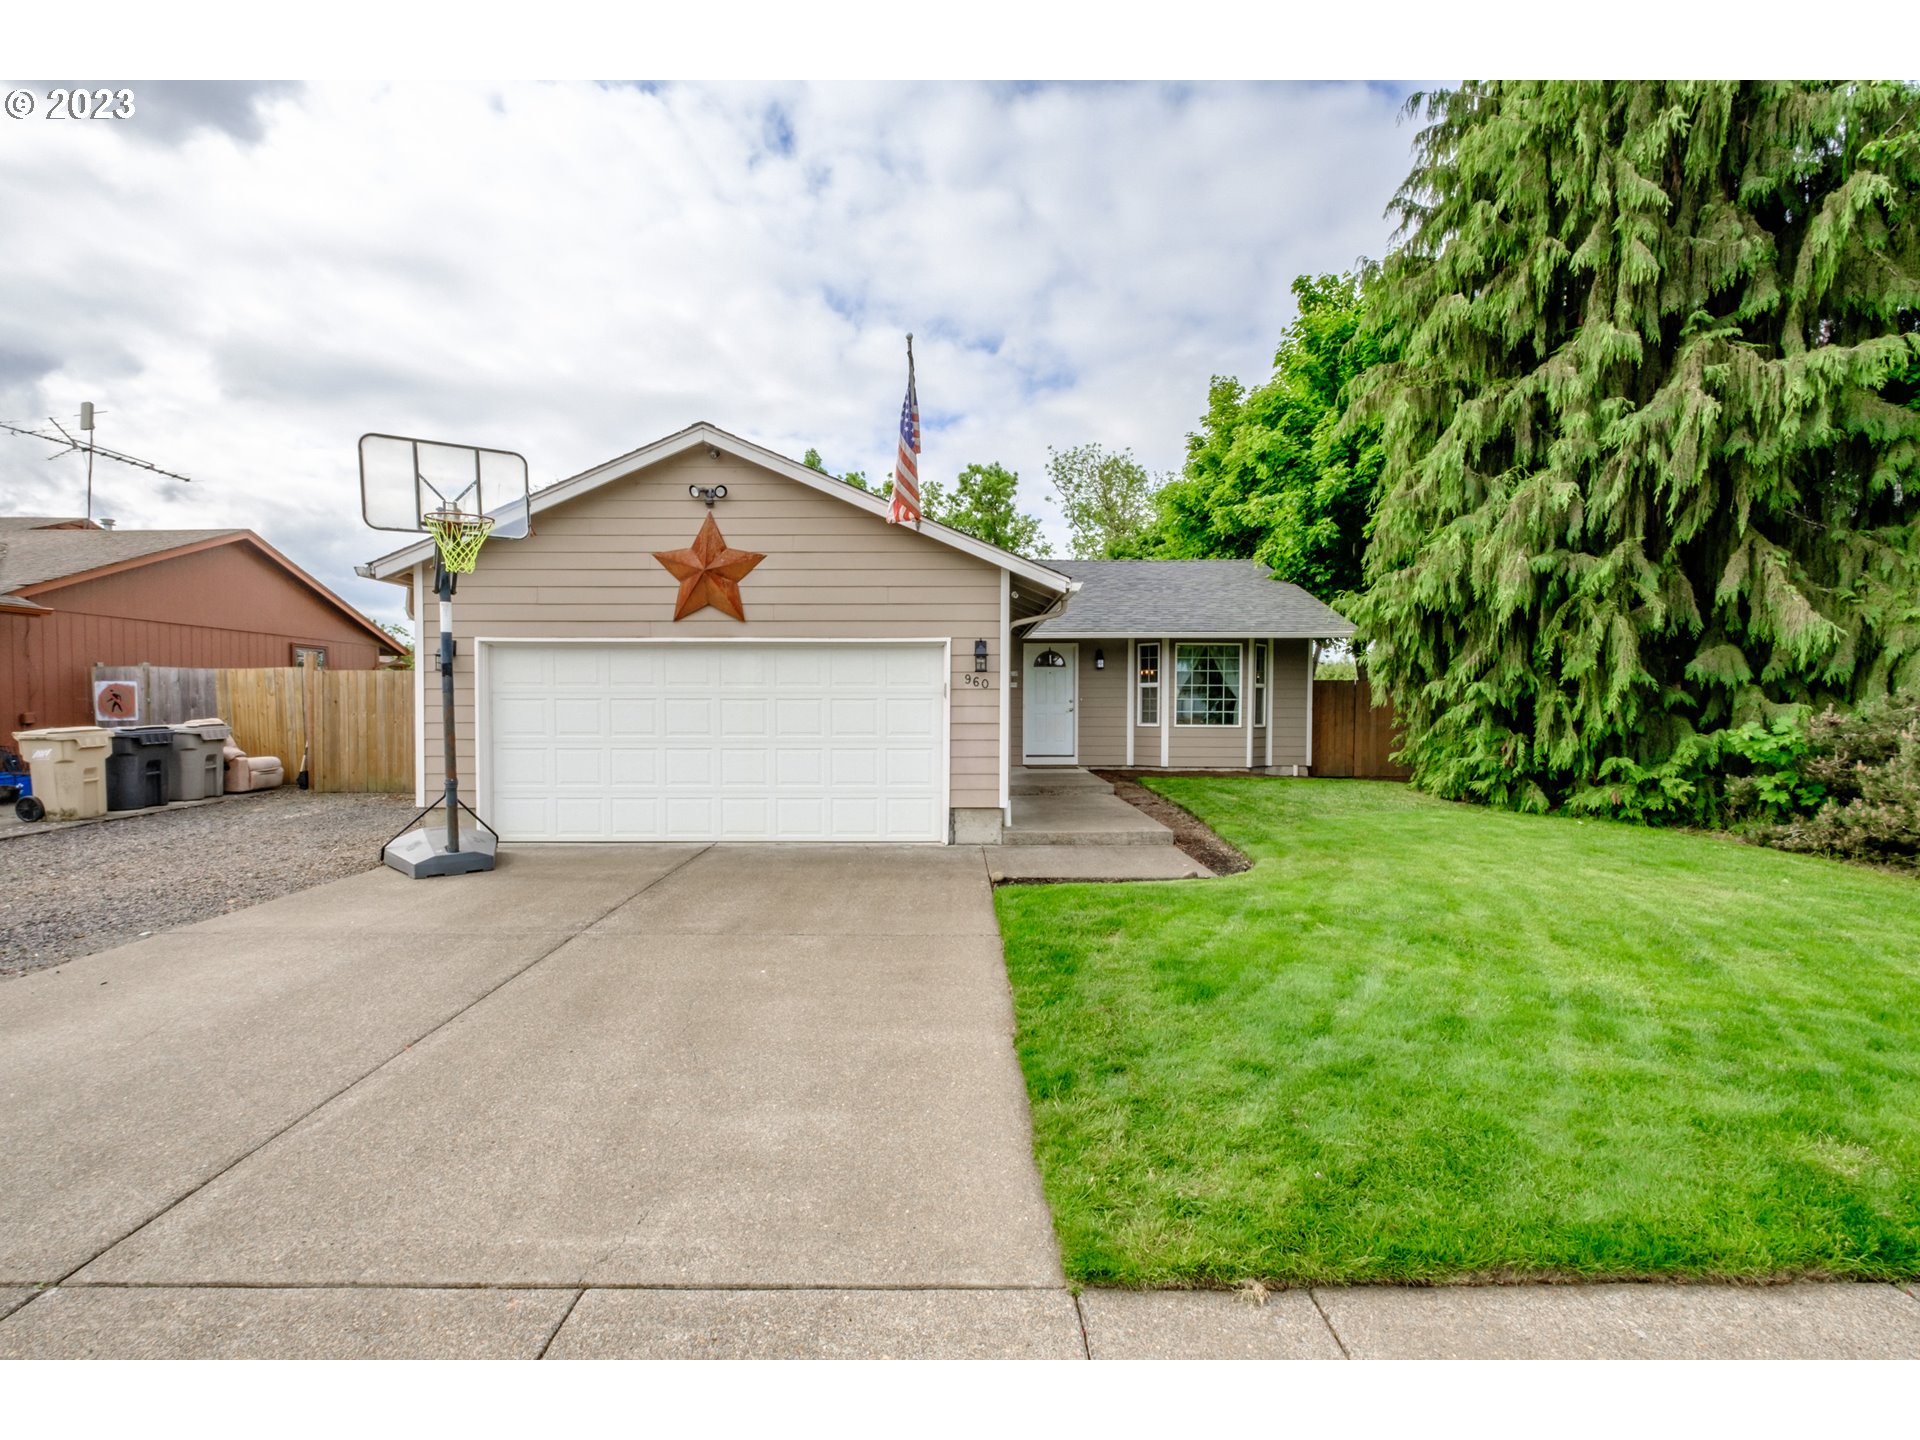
(709, 573)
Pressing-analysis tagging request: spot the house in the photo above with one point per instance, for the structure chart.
(74, 594)
(655, 663)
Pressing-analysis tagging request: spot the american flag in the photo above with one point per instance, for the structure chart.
(906, 469)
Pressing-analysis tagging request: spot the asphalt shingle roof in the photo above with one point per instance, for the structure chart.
(1187, 598)
(28, 557)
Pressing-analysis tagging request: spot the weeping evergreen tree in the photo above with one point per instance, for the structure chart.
(1651, 432)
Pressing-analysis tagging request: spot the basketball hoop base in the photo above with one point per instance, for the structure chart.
(422, 854)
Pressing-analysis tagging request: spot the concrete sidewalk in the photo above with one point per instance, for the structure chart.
(1521, 1322)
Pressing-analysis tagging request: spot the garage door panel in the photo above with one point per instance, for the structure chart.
(580, 814)
(741, 766)
(697, 741)
(633, 818)
(516, 765)
(579, 715)
(523, 665)
(911, 717)
(529, 716)
(578, 665)
(690, 817)
(746, 716)
(633, 715)
(633, 665)
(630, 765)
(856, 715)
(858, 666)
(799, 667)
(908, 767)
(799, 766)
(576, 765)
(687, 665)
(851, 766)
(688, 767)
(688, 715)
(800, 717)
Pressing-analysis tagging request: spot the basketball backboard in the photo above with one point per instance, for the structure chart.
(402, 480)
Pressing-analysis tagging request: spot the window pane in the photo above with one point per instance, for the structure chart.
(1208, 685)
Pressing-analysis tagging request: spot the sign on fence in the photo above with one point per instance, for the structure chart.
(116, 702)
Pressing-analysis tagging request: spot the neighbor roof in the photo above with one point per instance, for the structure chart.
(35, 556)
(46, 522)
(35, 559)
(393, 566)
(1188, 599)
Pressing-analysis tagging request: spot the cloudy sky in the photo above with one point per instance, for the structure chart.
(245, 278)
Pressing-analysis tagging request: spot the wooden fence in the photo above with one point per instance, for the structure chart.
(355, 727)
(1353, 737)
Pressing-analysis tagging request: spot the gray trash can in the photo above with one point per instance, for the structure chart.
(137, 769)
(196, 763)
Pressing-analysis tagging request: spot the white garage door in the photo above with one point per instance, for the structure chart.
(809, 740)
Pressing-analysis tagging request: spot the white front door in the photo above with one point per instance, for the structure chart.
(1048, 680)
(733, 740)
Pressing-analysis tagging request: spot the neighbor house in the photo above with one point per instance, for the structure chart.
(74, 594)
(605, 688)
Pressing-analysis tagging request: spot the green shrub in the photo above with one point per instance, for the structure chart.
(1865, 769)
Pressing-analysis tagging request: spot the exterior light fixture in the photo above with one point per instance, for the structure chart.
(1099, 659)
(979, 655)
(708, 493)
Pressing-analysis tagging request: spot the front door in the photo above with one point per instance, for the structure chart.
(1051, 674)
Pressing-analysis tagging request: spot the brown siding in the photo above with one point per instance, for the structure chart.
(831, 572)
(223, 608)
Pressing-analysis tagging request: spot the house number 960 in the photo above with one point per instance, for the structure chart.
(976, 682)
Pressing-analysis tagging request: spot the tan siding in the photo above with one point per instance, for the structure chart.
(1102, 705)
(831, 572)
(1288, 699)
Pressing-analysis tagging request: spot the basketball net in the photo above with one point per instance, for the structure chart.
(458, 536)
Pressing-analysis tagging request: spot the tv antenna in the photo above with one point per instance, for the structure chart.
(68, 446)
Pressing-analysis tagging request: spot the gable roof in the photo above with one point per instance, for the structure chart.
(33, 557)
(36, 560)
(47, 522)
(1187, 599)
(393, 565)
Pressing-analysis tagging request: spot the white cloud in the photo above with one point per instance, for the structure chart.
(573, 270)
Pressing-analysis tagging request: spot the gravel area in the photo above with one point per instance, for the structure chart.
(66, 893)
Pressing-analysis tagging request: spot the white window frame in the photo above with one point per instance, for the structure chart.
(1141, 687)
(1233, 648)
(1260, 668)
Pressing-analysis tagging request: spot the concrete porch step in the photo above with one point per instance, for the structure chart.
(1097, 818)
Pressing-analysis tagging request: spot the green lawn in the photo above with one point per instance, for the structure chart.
(1419, 1040)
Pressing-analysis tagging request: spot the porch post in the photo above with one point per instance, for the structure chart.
(1169, 694)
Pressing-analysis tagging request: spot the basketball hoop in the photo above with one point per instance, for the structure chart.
(458, 535)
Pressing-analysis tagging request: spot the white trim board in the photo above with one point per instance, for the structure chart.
(705, 434)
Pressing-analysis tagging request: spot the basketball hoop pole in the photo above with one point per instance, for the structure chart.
(443, 583)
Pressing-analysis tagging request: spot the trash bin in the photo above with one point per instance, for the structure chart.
(68, 766)
(196, 765)
(137, 769)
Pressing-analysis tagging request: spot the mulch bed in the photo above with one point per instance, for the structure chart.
(1191, 836)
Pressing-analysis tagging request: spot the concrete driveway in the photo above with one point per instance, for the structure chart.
(641, 1100)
